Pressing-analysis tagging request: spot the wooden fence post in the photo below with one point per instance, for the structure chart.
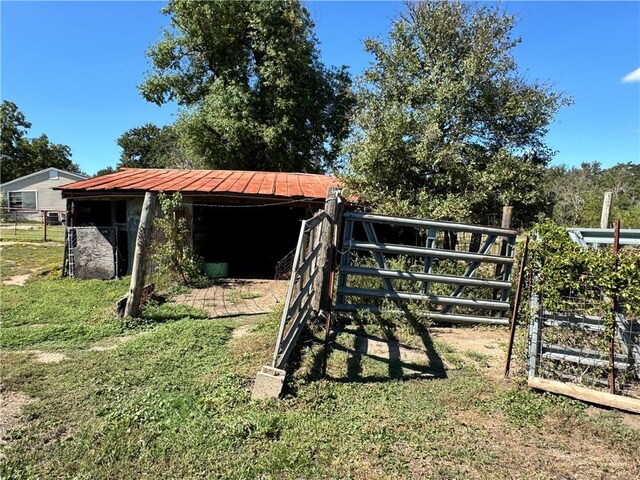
(321, 282)
(132, 308)
(606, 210)
(507, 220)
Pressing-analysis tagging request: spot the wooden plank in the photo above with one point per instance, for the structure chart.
(302, 269)
(586, 394)
(422, 251)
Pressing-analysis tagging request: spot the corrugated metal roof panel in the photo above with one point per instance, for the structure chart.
(274, 184)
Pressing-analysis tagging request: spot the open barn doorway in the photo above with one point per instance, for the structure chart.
(251, 240)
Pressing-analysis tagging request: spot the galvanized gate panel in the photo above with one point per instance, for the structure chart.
(497, 249)
(301, 292)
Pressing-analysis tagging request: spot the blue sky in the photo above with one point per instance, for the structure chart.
(72, 68)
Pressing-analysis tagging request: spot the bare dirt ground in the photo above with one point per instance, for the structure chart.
(230, 297)
(17, 280)
(47, 357)
(110, 343)
(11, 404)
(491, 343)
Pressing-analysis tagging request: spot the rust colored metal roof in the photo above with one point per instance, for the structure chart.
(223, 182)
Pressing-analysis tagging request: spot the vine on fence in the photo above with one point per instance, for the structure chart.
(174, 253)
(567, 272)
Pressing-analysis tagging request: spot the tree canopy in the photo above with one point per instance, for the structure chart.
(445, 126)
(576, 193)
(21, 155)
(254, 92)
(150, 146)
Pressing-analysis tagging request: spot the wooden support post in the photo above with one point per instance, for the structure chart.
(327, 292)
(606, 210)
(516, 307)
(502, 271)
(142, 244)
(322, 299)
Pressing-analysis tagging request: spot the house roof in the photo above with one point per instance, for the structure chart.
(15, 180)
(216, 182)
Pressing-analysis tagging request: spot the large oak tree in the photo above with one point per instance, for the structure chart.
(446, 127)
(254, 92)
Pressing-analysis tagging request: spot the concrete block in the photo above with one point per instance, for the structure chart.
(268, 384)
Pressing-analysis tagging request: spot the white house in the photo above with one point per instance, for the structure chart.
(35, 191)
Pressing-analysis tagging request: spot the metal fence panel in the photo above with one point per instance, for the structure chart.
(301, 292)
(480, 275)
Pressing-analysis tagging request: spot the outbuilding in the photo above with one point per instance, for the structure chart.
(248, 220)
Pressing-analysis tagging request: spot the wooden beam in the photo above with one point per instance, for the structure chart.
(142, 245)
(606, 210)
(586, 394)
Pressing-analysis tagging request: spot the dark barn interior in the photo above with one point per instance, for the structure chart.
(250, 239)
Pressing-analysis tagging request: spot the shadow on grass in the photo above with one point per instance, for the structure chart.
(158, 313)
(401, 360)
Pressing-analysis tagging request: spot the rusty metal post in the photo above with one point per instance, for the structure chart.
(44, 225)
(614, 307)
(516, 307)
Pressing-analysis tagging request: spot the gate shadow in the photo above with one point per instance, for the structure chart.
(360, 357)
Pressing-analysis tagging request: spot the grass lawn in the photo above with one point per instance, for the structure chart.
(168, 396)
(21, 259)
(31, 232)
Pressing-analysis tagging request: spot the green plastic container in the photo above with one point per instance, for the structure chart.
(216, 270)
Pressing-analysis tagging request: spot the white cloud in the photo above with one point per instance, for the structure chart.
(632, 77)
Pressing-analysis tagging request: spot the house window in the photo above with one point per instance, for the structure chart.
(22, 200)
(53, 175)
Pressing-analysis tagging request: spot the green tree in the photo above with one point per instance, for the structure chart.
(105, 171)
(21, 155)
(254, 91)
(445, 126)
(150, 146)
(576, 193)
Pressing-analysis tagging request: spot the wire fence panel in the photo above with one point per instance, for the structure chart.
(451, 272)
(591, 350)
(302, 288)
(20, 225)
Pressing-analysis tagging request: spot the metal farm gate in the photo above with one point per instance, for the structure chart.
(303, 289)
(460, 273)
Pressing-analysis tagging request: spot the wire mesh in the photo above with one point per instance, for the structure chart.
(573, 346)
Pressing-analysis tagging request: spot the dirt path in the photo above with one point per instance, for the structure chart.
(17, 280)
(490, 343)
